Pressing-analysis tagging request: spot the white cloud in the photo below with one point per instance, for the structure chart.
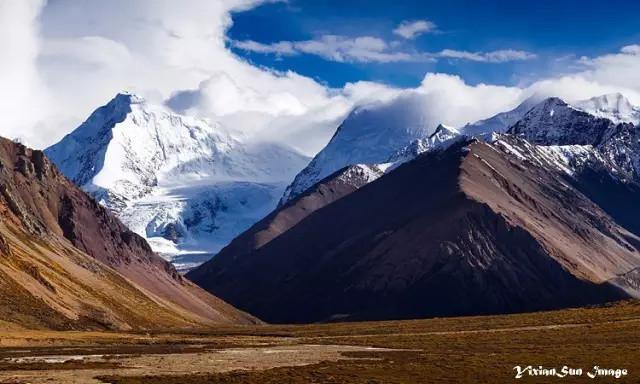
(372, 49)
(333, 48)
(22, 99)
(631, 49)
(279, 48)
(449, 100)
(499, 56)
(64, 60)
(88, 51)
(619, 70)
(413, 29)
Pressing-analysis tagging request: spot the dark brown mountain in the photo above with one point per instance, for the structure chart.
(67, 263)
(477, 228)
(332, 188)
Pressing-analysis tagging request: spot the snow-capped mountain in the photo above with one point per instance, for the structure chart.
(547, 208)
(441, 138)
(187, 185)
(387, 135)
(369, 135)
(580, 136)
(502, 121)
(613, 106)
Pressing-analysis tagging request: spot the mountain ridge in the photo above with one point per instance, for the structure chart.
(380, 260)
(67, 263)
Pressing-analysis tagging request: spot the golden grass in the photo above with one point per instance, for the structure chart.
(451, 350)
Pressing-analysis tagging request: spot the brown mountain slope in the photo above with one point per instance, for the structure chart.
(332, 188)
(470, 230)
(65, 262)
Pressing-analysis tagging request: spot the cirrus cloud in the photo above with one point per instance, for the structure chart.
(367, 49)
(499, 56)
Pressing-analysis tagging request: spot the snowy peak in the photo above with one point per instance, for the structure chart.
(125, 100)
(502, 121)
(613, 106)
(126, 146)
(444, 132)
(105, 118)
(554, 122)
(129, 146)
(369, 135)
(185, 184)
(440, 139)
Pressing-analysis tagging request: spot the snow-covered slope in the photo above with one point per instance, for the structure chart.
(614, 107)
(440, 139)
(502, 121)
(392, 133)
(371, 134)
(578, 137)
(187, 185)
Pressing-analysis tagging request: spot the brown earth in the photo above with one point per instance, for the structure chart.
(470, 230)
(67, 263)
(448, 350)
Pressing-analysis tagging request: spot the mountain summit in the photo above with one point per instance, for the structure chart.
(613, 106)
(186, 184)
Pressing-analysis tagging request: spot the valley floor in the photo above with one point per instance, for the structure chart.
(471, 349)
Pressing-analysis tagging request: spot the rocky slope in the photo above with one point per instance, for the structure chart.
(472, 229)
(379, 134)
(328, 190)
(187, 185)
(67, 263)
(556, 123)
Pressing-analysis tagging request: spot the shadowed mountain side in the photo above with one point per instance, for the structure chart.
(619, 199)
(441, 235)
(330, 189)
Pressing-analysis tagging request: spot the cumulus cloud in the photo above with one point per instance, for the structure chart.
(22, 100)
(86, 52)
(619, 70)
(412, 29)
(68, 57)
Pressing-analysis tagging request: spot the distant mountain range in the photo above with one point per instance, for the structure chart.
(531, 209)
(377, 133)
(395, 218)
(187, 185)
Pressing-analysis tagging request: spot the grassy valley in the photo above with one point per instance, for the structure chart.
(452, 350)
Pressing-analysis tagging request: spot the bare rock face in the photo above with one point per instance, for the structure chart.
(473, 229)
(66, 254)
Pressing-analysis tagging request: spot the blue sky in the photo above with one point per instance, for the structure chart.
(556, 32)
(290, 71)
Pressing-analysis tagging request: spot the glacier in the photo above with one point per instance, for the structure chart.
(187, 185)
